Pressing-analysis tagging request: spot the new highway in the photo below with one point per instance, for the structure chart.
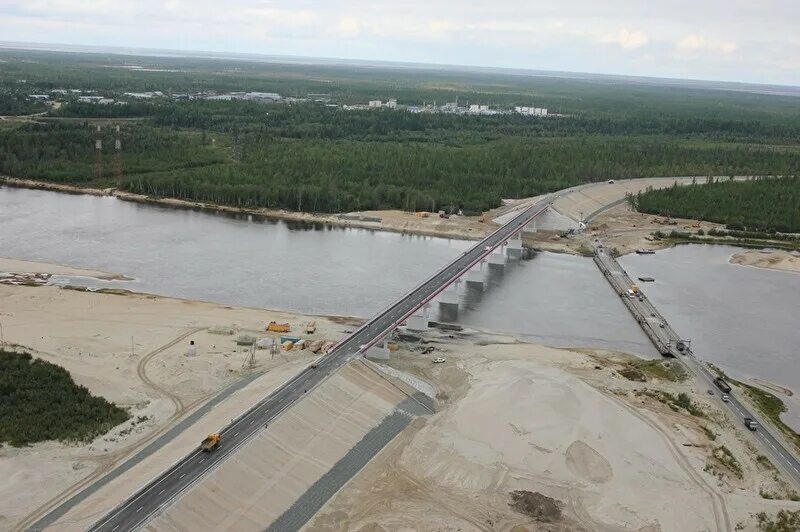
(161, 491)
(666, 340)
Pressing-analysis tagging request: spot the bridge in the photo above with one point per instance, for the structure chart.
(164, 489)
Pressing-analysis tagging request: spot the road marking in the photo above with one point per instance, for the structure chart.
(160, 492)
(180, 477)
(140, 509)
(113, 529)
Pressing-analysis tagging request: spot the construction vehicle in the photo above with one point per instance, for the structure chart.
(311, 327)
(278, 327)
(211, 442)
(635, 289)
(722, 385)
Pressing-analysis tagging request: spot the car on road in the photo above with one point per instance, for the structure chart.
(487, 248)
(750, 423)
(710, 392)
(725, 398)
(438, 360)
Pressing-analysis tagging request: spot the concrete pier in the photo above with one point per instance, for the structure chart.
(379, 351)
(514, 248)
(419, 320)
(448, 306)
(475, 280)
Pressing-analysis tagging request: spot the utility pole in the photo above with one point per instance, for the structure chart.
(118, 159)
(2, 340)
(98, 155)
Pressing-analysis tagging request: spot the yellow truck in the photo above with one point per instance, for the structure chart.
(211, 442)
(278, 327)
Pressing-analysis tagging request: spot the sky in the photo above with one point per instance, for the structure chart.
(756, 41)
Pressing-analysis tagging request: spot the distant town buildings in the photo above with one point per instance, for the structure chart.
(531, 111)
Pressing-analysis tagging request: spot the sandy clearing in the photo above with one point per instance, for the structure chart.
(773, 259)
(90, 335)
(521, 416)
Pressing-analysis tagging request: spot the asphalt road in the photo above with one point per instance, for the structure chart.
(160, 492)
(646, 312)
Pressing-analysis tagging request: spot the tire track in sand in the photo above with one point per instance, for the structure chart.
(107, 463)
(721, 516)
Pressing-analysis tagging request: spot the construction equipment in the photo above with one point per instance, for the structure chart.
(311, 327)
(278, 327)
(211, 442)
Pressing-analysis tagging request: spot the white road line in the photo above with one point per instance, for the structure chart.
(180, 477)
(113, 529)
(140, 509)
(160, 492)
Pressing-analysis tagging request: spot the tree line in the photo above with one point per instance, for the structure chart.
(756, 205)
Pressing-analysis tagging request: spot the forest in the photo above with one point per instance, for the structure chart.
(759, 205)
(313, 155)
(39, 401)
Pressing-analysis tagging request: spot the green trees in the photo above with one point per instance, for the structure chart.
(766, 205)
(39, 401)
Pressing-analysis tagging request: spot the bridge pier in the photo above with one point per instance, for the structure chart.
(497, 263)
(379, 351)
(448, 306)
(474, 281)
(419, 320)
(514, 249)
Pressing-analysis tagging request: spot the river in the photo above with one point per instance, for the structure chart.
(743, 319)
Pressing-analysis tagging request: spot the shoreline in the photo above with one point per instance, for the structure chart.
(454, 231)
(406, 223)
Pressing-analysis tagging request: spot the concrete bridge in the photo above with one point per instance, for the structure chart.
(163, 490)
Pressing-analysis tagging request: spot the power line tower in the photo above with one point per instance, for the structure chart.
(97, 169)
(118, 159)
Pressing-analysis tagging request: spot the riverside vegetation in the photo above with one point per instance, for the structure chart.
(39, 401)
(756, 208)
(315, 156)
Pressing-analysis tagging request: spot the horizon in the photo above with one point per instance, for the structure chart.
(144, 52)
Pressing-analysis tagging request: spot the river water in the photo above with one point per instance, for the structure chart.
(307, 268)
(746, 320)
(743, 319)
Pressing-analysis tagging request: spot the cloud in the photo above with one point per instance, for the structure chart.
(629, 40)
(698, 43)
(670, 38)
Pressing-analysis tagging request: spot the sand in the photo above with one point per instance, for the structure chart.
(130, 349)
(785, 261)
(270, 472)
(526, 417)
(513, 416)
(27, 266)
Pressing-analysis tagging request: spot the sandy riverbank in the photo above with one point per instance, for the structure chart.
(130, 349)
(513, 416)
(563, 424)
(785, 261)
(32, 267)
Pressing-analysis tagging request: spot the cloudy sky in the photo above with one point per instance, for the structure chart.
(737, 40)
